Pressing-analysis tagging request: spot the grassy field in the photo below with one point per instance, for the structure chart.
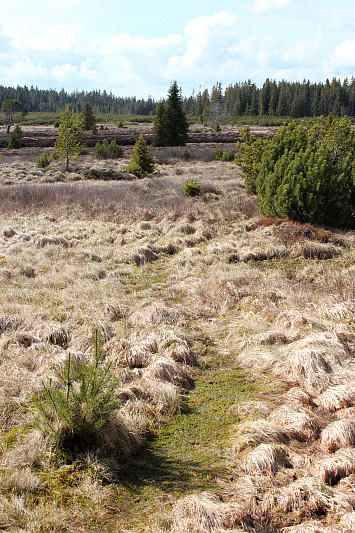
(231, 337)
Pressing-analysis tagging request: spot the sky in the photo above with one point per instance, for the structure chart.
(137, 48)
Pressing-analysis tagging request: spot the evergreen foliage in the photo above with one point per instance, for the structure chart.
(67, 145)
(10, 108)
(170, 127)
(307, 173)
(142, 160)
(106, 150)
(192, 188)
(43, 160)
(73, 408)
(88, 118)
(220, 155)
(248, 156)
(15, 138)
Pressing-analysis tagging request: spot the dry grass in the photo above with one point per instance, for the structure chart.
(206, 513)
(339, 434)
(340, 465)
(175, 283)
(266, 458)
(338, 397)
(300, 422)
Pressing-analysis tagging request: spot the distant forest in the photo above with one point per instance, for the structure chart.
(279, 99)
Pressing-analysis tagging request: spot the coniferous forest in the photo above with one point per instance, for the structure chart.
(277, 99)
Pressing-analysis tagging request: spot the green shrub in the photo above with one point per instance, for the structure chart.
(15, 138)
(229, 155)
(43, 160)
(218, 153)
(56, 124)
(74, 408)
(120, 124)
(142, 160)
(84, 150)
(192, 188)
(185, 155)
(106, 150)
(307, 173)
(249, 154)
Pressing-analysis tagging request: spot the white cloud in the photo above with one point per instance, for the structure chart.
(261, 6)
(344, 56)
(209, 41)
(24, 70)
(64, 72)
(303, 53)
(58, 39)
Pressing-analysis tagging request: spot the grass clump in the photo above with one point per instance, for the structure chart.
(75, 407)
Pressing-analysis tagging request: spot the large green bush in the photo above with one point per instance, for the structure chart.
(307, 173)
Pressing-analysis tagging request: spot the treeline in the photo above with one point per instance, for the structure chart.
(51, 101)
(279, 99)
(293, 99)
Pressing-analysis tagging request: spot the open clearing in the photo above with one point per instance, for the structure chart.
(232, 337)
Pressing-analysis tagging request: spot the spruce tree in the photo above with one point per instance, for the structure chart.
(88, 117)
(170, 124)
(142, 160)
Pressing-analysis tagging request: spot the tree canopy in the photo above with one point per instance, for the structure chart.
(10, 108)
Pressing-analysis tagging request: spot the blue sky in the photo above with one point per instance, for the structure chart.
(137, 48)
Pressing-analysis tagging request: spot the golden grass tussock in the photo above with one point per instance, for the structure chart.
(305, 493)
(338, 434)
(296, 395)
(260, 431)
(309, 527)
(166, 369)
(316, 250)
(122, 433)
(312, 361)
(342, 464)
(301, 423)
(165, 397)
(337, 397)
(156, 313)
(206, 513)
(9, 323)
(132, 352)
(252, 409)
(267, 458)
(347, 523)
(345, 413)
(26, 453)
(259, 357)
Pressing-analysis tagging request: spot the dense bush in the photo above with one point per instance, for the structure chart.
(306, 173)
(250, 150)
(106, 150)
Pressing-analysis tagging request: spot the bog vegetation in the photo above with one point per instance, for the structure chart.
(217, 392)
